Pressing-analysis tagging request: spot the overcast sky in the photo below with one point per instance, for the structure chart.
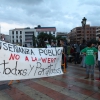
(62, 14)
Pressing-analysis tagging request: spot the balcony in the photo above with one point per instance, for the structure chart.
(97, 33)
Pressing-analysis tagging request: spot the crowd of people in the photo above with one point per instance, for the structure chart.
(87, 55)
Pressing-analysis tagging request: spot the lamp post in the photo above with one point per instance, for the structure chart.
(83, 25)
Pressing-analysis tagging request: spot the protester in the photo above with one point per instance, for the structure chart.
(53, 44)
(77, 53)
(99, 58)
(47, 44)
(82, 46)
(93, 46)
(25, 45)
(72, 53)
(64, 51)
(89, 60)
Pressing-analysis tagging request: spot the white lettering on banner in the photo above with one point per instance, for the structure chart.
(18, 62)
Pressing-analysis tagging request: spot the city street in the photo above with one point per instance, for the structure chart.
(69, 86)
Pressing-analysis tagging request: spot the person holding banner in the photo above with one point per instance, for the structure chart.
(53, 44)
(47, 44)
(64, 55)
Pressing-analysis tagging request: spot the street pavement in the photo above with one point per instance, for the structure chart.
(69, 86)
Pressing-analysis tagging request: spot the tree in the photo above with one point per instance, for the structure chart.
(42, 37)
(51, 38)
(58, 39)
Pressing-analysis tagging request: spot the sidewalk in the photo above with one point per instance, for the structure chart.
(69, 86)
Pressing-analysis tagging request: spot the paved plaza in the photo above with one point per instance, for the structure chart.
(69, 86)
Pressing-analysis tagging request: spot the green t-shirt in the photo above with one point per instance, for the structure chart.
(89, 60)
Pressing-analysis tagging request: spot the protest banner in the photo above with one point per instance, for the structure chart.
(18, 62)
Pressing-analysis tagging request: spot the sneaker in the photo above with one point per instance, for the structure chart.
(87, 76)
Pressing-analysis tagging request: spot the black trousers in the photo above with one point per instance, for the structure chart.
(77, 60)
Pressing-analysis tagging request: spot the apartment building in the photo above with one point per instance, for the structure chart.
(48, 30)
(97, 32)
(22, 36)
(77, 34)
(62, 34)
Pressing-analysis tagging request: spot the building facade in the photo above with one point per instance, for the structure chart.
(48, 30)
(22, 36)
(97, 32)
(77, 34)
(4, 37)
(62, 34)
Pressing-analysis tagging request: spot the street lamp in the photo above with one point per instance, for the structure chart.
(83, 25)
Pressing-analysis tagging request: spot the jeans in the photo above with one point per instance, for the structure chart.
(90, 68)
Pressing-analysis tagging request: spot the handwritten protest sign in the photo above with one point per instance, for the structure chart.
(18, 62)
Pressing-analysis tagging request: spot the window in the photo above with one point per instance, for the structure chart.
(12, 32)
(79, 35)
(12, 41)
(16, 32)
(53, 32)
(49, 32)
(93, 28)
(20, 32)
(78, 31)
(16, 36)
(20, 36)
(17, 41)
(12, 36)
(20, 40)
(87, 31)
